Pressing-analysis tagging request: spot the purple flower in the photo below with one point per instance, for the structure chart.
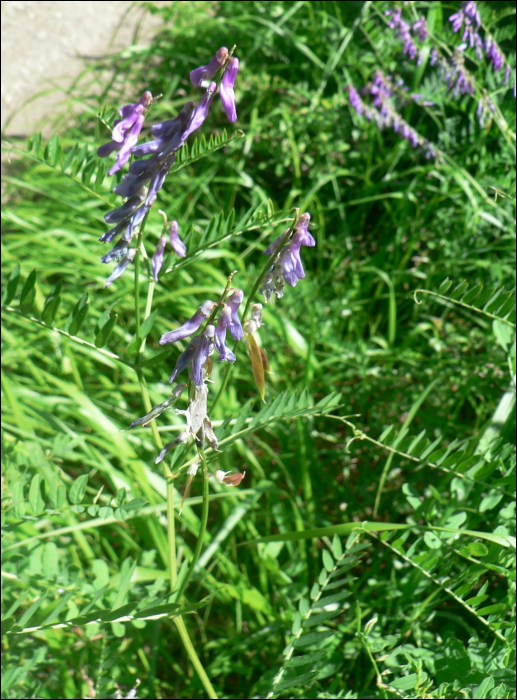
(471, 11)
(177, 244)
(206, 73)
(117, 251)
(420, 29)
(355, 100)
(122, 212)
(185, 359)
(125, 132)
(201, 112)
(110, 235)
(234, 301)
(201, 355)
(274, 246)
(457, 21)
(397, 23)
(157, 260)
(506, 75)
(225, 354)
(169, 135)
(159, 179)
(495, 57)
(121, 267)
(227, 92)
(288, 264)
(191, 326)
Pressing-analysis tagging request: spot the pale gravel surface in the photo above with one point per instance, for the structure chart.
(47, 44)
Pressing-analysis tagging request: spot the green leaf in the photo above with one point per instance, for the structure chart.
(503, 334)
(408, 682)
(36, 501)
(57, 492)
(78, 315)
(412, 496)
(28, 294)
(52, 151)
(474, 549)
(337, 547)
(328, 562)
(101, 174)
(134, 346)
(490, 609)
(12, 285)
(147, 325)
(157, 359)
(78, 489)
(432, 540)
(52, 304)
(491, 500)
(104, 334)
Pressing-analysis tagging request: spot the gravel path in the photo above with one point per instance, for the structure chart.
(44, 47)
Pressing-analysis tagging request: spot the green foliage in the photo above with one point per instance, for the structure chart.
(419, 474)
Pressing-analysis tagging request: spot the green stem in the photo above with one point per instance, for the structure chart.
(171, 535)
(205, 680)
(202, 528)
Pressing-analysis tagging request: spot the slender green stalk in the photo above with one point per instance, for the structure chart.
(205, 680)
(171, 535)
(202, 529)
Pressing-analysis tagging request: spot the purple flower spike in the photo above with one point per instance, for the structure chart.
(227, 92)
(191, 326)
(234, 301)
(177, 244)
(205, 73)
(121, 267)
(225, 354)
(201, 355)
(157, 260)
(185, 359)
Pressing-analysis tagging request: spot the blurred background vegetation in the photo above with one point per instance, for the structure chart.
(387, 222)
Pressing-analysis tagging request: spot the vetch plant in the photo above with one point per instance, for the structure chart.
(206, 332)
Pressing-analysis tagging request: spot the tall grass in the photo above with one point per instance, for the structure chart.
(355, 560)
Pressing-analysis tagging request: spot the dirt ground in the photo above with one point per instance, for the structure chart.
(46, 45)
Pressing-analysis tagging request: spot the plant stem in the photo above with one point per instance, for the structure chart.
(171, 535)
(202, 529)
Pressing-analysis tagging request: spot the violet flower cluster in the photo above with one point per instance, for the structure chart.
(146, 176)
(385, 115)
(212, 338)
(469, 20)
(454, 73)
(287, 266)
(404, 30)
